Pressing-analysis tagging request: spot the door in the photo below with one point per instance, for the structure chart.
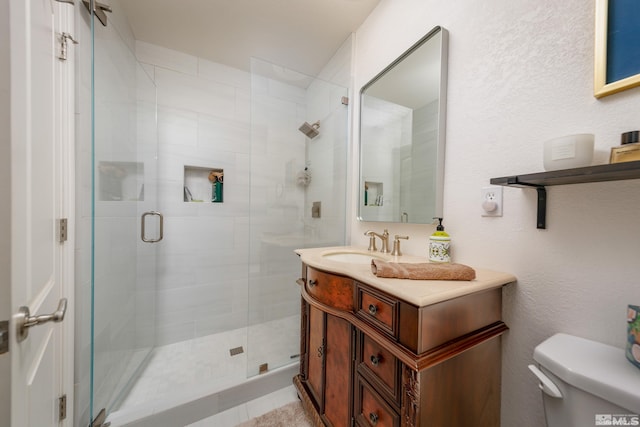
(41, 363)
(125, 223)
(338, 374)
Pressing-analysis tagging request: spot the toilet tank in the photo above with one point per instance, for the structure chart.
(586, 383)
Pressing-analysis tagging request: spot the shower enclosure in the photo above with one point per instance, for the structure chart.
(194, 187)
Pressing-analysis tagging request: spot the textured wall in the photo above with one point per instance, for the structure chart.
(520, 73)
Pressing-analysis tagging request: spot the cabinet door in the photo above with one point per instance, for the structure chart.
(338, 371)
(315, 355)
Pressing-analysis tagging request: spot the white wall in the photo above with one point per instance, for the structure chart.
(5, 208)
(521, 73)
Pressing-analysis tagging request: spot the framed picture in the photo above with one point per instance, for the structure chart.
(617, 47)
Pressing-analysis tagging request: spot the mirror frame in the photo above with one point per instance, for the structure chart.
(440, 139)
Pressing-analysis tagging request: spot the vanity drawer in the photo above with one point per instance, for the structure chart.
(371, 408)
(380, 367)
(378, 309)
(330, 289)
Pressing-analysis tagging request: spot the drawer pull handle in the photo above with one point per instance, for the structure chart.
(375, 360)
(373, 309)
(312, 283)
(373, 418)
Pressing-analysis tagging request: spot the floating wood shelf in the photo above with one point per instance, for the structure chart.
(540, 180)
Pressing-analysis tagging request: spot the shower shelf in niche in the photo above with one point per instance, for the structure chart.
(203, 184)
(120, 181)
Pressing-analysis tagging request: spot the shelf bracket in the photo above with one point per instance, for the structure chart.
(541, 221)
(513, 181)
(541, 217)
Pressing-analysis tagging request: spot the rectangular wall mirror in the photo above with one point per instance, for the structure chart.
(402, 135)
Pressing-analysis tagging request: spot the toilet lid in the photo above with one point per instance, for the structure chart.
(596, 368)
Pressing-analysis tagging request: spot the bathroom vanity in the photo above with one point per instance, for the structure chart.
(392, 352)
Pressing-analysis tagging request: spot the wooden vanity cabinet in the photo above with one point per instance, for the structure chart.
(369, 359)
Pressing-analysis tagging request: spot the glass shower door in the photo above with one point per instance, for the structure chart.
(290, 175)
(126, 228)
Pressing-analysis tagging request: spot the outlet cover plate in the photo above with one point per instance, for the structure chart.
(491, 194)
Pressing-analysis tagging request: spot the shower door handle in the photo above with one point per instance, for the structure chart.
(142, 227)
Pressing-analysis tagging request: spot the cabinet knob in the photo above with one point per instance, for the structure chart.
(375, 360)
(373, 418)
(312, 283)
(373, 309)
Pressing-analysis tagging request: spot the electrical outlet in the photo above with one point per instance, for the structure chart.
(491, 201)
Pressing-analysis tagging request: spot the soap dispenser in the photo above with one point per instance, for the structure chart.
(439, 243)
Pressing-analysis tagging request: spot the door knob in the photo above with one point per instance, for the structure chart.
(24, 320)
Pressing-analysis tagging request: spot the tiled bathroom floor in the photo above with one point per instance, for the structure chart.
(206, 362)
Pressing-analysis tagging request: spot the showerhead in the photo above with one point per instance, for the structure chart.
(311, 131)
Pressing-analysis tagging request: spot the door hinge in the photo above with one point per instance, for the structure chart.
(4, 336)
(64, 39)
(62, 230)
(62, 407)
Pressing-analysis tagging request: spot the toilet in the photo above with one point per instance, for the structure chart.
(586, 383)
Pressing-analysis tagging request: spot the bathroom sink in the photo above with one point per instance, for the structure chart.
(351, 257)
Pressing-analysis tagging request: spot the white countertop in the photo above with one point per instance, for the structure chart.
(418, 292)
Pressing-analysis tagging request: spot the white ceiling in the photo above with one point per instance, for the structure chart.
(298, 34)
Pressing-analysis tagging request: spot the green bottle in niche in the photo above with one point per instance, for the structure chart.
(217, 193)
(215, 177)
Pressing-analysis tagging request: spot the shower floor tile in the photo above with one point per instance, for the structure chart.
(206, 362)
(254, 408)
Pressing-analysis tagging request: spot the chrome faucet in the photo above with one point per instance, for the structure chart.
(384, 238)
(396, 245)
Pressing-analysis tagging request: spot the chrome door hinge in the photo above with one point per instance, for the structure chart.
(62, 230)
(99, 10)
(62, 407)
(64, 38)
(4, 336)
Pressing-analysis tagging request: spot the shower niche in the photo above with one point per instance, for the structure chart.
(120, 181)
(373, 193)
(203, 184)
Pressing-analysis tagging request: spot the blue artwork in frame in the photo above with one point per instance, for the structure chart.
(617, 53)
(623, 39)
